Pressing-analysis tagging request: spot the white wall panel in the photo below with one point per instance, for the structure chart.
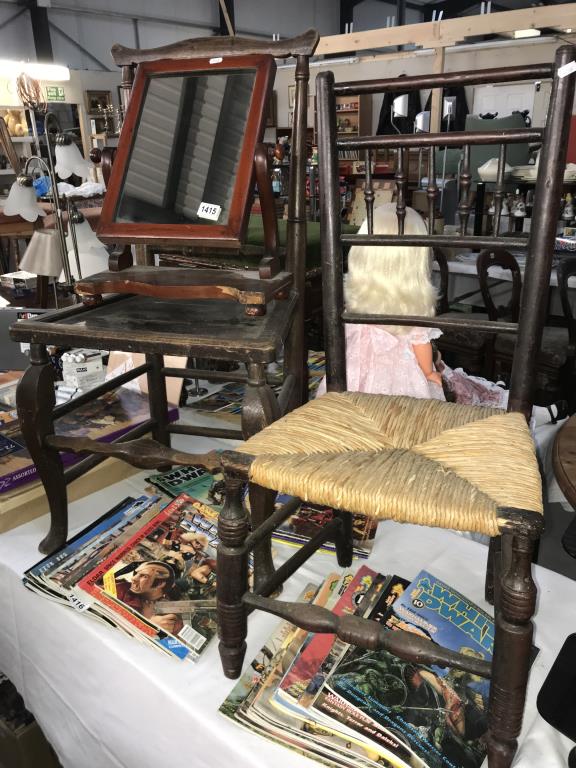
(16, 40)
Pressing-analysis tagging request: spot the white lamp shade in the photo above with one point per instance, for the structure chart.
(85, 237)
(69, 161)
(21, 201)
(92, 260)
(448, 105)
(400, 106)
(44, 254)
(423, 121)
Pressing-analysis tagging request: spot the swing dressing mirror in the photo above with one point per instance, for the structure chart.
(183, 173)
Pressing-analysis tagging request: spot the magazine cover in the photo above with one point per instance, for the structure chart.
(248, 704)
(82, 539)
(80, 559)
(440, 713)
(193, 480)
(310, 518)
(308, 662)
(332, 709)
(106, 419)
(295, 530)
(163, 576)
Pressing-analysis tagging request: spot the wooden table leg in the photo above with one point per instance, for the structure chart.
(35, 400)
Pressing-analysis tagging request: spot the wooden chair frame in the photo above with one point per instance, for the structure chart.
(229, 234)
(509, 585)
(257, 348)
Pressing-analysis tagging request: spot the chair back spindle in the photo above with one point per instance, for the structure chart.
(499, 188)
(465, 183)
(401, 188)
(431, 189)
(369, 191)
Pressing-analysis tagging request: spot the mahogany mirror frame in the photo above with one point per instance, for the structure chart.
(229, 235)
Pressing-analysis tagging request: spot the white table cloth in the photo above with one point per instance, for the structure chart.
(107, 701)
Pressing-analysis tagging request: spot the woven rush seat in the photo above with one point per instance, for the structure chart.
(410, 460)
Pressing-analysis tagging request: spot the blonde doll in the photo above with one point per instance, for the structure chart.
(391, 280)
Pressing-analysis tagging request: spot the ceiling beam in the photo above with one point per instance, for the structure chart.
(226, 11)
(448, 32)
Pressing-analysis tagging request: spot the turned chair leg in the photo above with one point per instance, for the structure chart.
(35, 400)
(491, 565)
(232, 581)
(259, 409)
(261, 507)
(344, 539)
(514, 607)
(158, 401)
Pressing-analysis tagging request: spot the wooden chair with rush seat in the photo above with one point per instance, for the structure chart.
(417, 461)
(183, 175)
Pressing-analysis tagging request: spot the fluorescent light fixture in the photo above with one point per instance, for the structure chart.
(34, 69)
(520, 33)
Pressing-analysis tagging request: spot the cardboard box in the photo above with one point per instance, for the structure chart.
(25, 747)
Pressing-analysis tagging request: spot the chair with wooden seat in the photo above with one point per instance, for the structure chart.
(424, 462)
(460, 347)
(555, 360)
(183, 175)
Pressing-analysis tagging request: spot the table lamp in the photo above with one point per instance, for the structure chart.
(22, 200)
(68, 158)
(92, 255)
(43, 256)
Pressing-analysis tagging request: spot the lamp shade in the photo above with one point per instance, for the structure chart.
(92, 260)
(400, 106)
(69, 159)
(85, 237)
(44, 254)
(448, 106)
(22, 201)
(422, 122)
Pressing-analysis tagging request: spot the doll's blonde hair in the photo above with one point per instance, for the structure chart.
(390, 280)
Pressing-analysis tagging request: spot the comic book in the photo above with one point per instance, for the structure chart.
(308, 663)
(105, 419)
(33, 577)
(248, 703)
(296, 530)
(79, 558)
(439, 713)
(162, 581)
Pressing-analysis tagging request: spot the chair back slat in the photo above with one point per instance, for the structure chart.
(540, 244)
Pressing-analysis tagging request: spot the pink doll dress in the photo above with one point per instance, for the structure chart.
(384, 363)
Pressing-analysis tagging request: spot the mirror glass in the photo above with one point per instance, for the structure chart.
(184, 156)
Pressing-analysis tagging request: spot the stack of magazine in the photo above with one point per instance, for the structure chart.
(345, 706)
(147, 567)
(299, 528)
